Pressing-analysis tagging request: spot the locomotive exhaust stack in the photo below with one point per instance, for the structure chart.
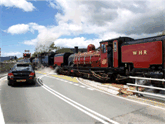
(76, 49)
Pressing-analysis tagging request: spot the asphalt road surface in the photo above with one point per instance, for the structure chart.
(54, 101)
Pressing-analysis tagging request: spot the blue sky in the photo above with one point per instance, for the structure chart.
(68, 23)
(42, 15)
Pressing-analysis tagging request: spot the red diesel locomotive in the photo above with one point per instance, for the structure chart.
(117, 57)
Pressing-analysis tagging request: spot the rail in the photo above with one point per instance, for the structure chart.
(137, 81)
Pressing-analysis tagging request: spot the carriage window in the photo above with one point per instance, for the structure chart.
(103, 48)
(115, 46)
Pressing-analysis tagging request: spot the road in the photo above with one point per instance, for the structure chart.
(55, 101)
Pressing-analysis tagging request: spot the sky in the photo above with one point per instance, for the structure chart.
(27, 24)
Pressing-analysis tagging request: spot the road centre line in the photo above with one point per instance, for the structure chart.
(3, 75)
(90, 88)
(123, 97)
(3, 78)
(70, 82)
(62, 80)
(82, 86)
(112, 94)
(82, 108)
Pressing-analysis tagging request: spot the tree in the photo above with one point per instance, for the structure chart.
(52, 47)
(163, 33)
(63, 50)
(34, 54)
(15, 57)
(42, 48)
(20, 58)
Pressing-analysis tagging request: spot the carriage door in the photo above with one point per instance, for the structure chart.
(110, 55)
(115, 53)
(104, 62)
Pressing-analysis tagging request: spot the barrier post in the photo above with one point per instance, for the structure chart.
(136, 87)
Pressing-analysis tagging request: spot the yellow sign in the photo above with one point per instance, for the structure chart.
(141, 52)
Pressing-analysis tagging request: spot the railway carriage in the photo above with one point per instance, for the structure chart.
(145, 57)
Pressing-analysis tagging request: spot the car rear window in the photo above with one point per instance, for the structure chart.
(22, 67)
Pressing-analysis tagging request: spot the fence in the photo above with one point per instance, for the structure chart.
(137, 81)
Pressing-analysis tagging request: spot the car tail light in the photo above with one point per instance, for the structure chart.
(31, 74)
(10, 75)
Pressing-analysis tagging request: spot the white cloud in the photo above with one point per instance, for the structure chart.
(52, 4)
(11, 53)
(122, 16)
(81, 42)
(105, 19)
(30, 42)
(46, 35)
(22, 4)
(18, 29)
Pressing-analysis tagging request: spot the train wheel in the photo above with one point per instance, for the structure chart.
(68, 73)
(113, 78)
(58, 70)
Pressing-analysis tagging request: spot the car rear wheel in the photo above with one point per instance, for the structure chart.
(12, 83)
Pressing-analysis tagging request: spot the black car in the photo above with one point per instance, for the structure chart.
(21, 72)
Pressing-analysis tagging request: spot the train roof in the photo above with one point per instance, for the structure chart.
(144, 40)
(125, 39)
(61, 54)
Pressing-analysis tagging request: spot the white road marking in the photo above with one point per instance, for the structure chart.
(70, 82)
(80, 107)
(112, 94)
(82, 86)
(2, 121)
(90, 88)
(76, 84)
(4, 75)
(3, 78)
(123, 97)
(64, 80)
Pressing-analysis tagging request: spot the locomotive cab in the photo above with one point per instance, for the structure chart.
(111, 52)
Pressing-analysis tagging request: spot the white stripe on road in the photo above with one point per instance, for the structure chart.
(114, 95)
(70, 82)
(123, 97)
(2, 121)
(80, 107)
(82, 86)
(4, 75)
(90, 88)
(3, 78)
(67, 81)
(76, 84)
